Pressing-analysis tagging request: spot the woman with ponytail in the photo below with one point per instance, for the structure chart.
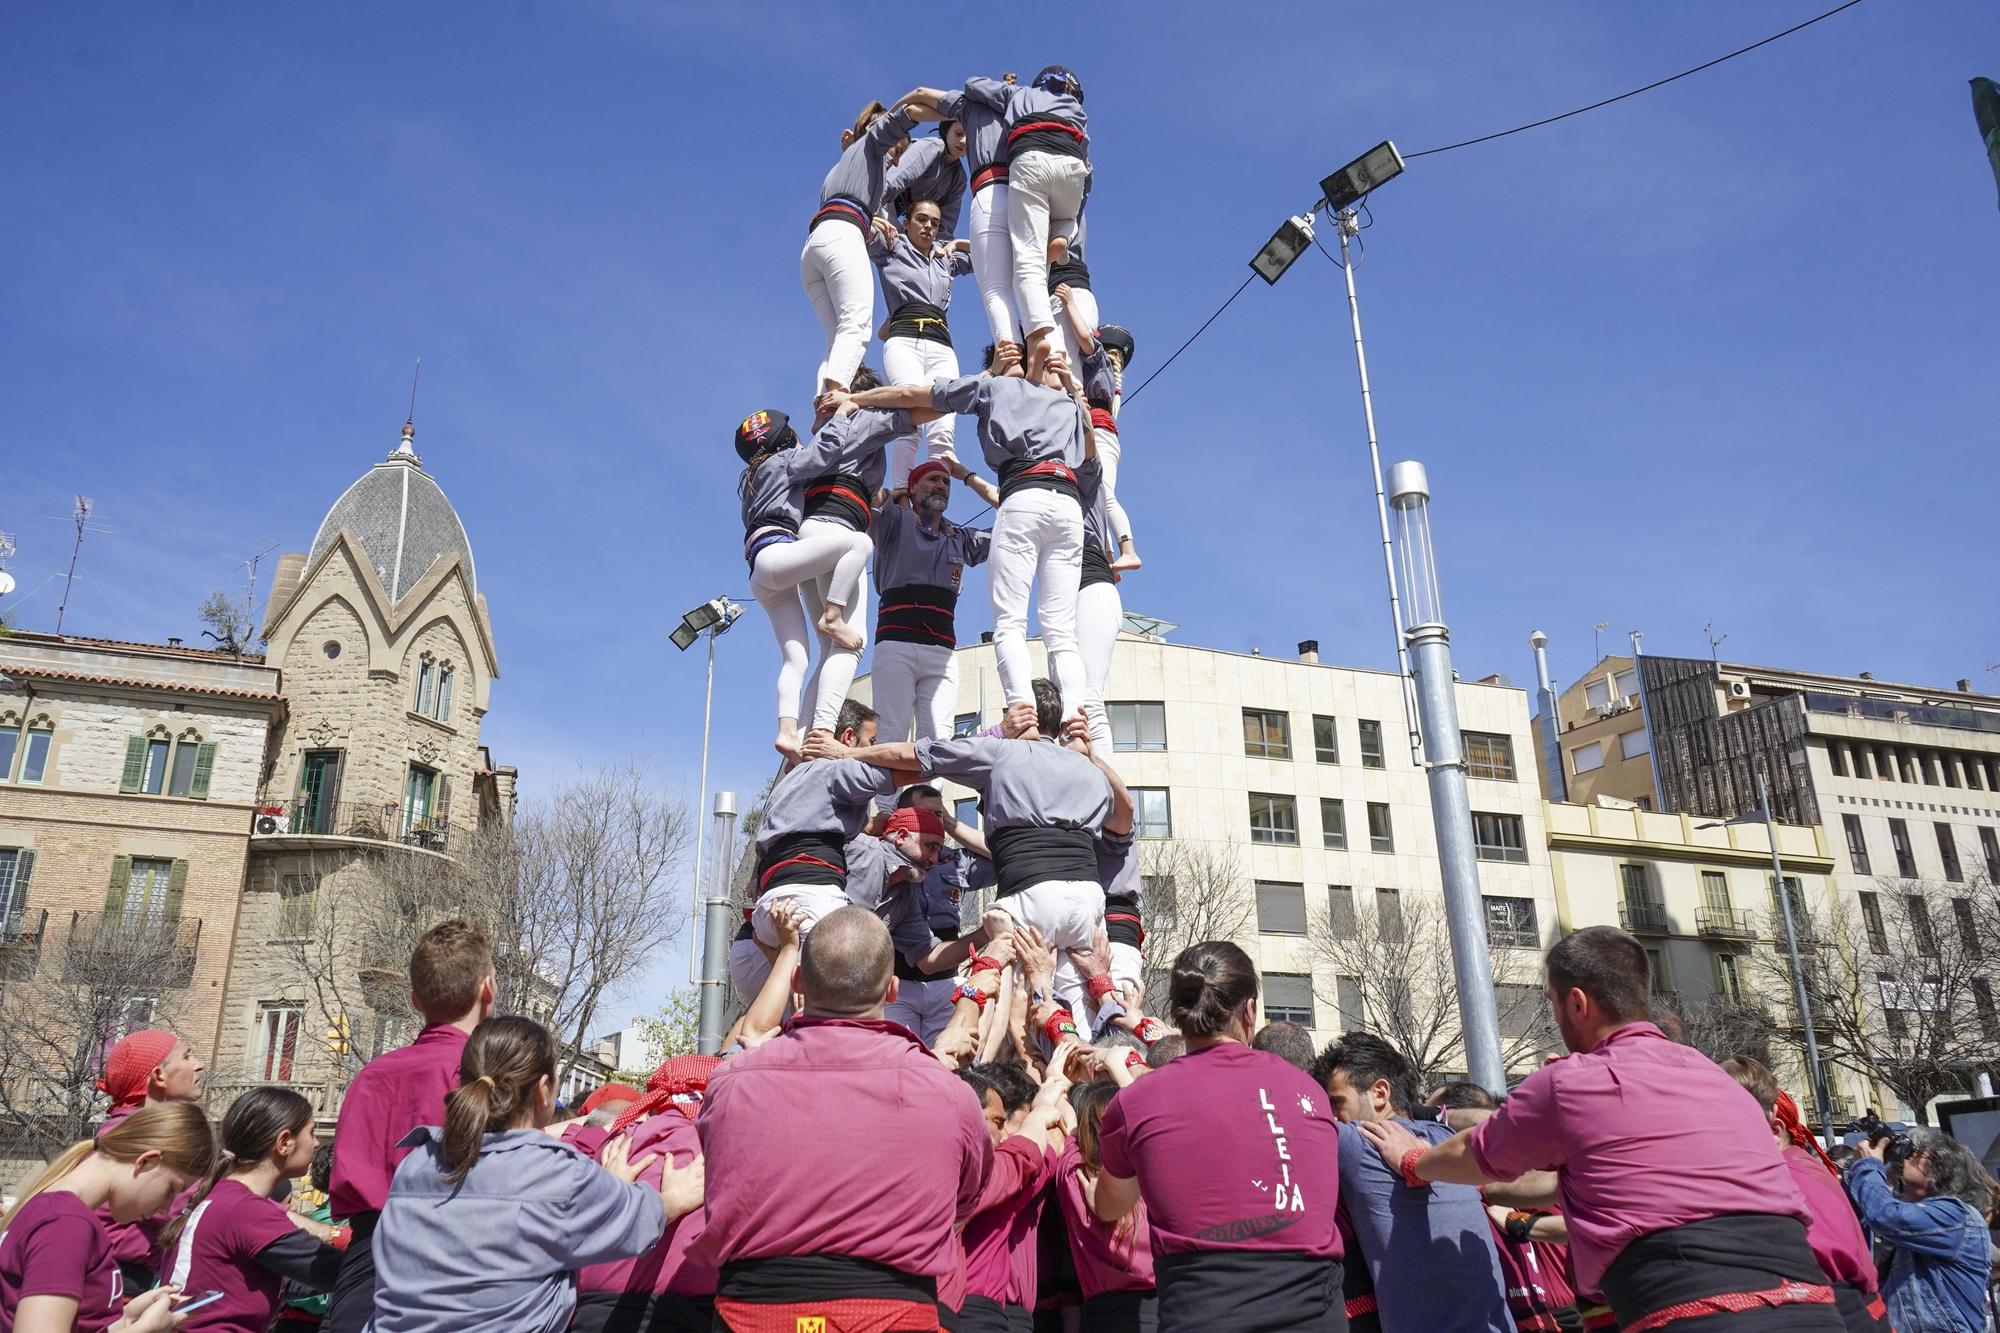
(1235, 1155)
(233, 1238)
(57, 1270)
(490, 1216)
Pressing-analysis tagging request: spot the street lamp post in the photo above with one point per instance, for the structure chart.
(713, 619)
(716, 929)
(1444, 755)
(1814, 1074)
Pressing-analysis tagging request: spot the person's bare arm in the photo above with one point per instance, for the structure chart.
(912, 398)
(1536, 1189)
(1076, 732)
(979, 486)
(1114, 1197)
(768, 1009)
(1086, 335)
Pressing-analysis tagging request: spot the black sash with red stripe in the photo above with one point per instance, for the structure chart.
(840, 496)
(918, 613)
(987, 175)
(1051, 474)
(1047, 135)
(1756, 1266)
(843, 208)
(802, 858)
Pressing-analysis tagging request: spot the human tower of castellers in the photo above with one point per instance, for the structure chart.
(915, 1127)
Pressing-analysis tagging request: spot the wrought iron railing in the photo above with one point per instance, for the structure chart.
(324, 1095)
(306, 817)
(1645, 918)
(124, 949)
(1724, 923)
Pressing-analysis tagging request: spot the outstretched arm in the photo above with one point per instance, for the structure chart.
(912, 398)
(978, 485)
(1076, 732)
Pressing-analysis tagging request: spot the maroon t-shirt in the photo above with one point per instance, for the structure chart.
(56, 1247)
(1233, 1149)
(217, 1251)
(392, 1095)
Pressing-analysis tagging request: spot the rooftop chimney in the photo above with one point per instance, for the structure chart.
(1867, 675)
(1308, 650)
(173, 642)
(1964, 686)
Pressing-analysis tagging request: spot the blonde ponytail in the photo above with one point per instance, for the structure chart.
(178, 1131)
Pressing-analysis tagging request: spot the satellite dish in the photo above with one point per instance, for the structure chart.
(6, 583)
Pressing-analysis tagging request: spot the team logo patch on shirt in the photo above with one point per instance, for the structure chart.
(810, 1324)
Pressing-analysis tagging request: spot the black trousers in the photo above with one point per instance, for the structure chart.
(606, 1312)
(352, 1300)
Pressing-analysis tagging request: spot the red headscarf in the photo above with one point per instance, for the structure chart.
(924, 469)
(911, 819)
(129, 1068)
(609, 1093)
(1787, 1112)
(680, 1076)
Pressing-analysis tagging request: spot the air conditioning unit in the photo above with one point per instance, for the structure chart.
(1611, 709)
(1739, 689)
(268, 822)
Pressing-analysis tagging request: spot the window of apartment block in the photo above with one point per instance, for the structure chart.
(1729, 977)
(1499, 837)
(1281, 908)
(1326, 740)
(1511, 922)
(1389, 914)
(10, 745)
(1520, 1008)
(1597, 693)
(1871, 920)
(34, 747)
(1340, 911)
(145, 890)
(1715, 891)
(1948, 852)
(1333, 823)
(1488, 755)
(153, 778)
(1371, 743)
(1857, 844)
(1899, 838)
(157, 765)
(1634, 743)
(278, 1030)
(1587, 758)
(298, 900)
(1381, 837)
(1266, 735)
(17, 868)
(434, 685)
(1626, 685)
(1288, 998)
(1836, 758)
(1918, 912)
(1894, 1017)
(966, 811)
(1274, 819)
(1968, 926)
(1989, 846)
(1138, 726)
(1982, 1005)
(1656, 964)
(1348, 1004)
(1152, 813)
(426, 802)
(965, 724)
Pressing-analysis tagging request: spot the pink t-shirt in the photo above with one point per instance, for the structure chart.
(1646, 1134)
(392, 1095)
(1233, 1149)
(1109, 1256)
(1832, 1230)
(665, 1267)
(217, 1251)
(56, 1247)
(136, 1243)
(1005, 1224)
(843, 1136)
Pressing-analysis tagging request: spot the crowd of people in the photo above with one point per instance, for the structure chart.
(833, 1173)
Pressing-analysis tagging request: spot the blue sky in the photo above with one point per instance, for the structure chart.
(1716, 352)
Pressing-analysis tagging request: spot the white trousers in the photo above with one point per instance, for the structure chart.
(1086, 304)
(1068, 912)
(749, 969)
(1037, 536)
(914, 681)
(993, 261)
(1099, 612)
(1044, 196)
(919, 361)
(840, 283)
(1128, 967)
(826, 688)
(924, 1007)
(1107, 458)
(786, 582)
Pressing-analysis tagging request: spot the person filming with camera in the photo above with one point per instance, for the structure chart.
(1925, 1194)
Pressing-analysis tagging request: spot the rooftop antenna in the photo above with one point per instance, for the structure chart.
(1597, 639)
(250, 581)
(1714, 641)
(80, 517)
(6, 550)
(411, 419)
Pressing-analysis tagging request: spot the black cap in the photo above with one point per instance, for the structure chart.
(762, 432)
(1118, 339)
(1060, 76)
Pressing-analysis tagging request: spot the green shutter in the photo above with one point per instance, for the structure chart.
(204, 768)
(443, 713)
(441, 806)
(121, 878)
(135, 764)
(177, 882)
(24, 871)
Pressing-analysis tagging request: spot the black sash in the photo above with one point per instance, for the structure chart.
(1024, 857)
(1237, 1291)
(918, 319)
(812, 857)
(1021, 474)
(1096, 567)
(784, 1279)
(1717, 1256)
(918, 613)
(840, 496)
(1122, 920)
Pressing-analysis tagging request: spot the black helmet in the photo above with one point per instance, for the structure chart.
(764, 432)
(1118, 340)
(1058, 79)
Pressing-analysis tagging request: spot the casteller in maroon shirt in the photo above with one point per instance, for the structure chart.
(392, 1095)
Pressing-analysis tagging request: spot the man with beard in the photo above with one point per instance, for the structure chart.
(919, 562)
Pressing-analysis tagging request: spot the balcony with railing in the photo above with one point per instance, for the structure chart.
(1724, 923)
(122, 951)
(1645, 918)
(324, 1095)
(21, 934)
(308, 818)
(1804, 931)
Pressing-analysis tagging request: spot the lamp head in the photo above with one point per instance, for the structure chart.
(1353, 181)
(1278, 254)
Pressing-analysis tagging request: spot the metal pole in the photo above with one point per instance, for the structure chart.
(701, 828)
(716, 930)
(1814, 1074)
(1545, 699)
(1347, 225)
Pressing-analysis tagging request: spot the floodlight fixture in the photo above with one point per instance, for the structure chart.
(1280, 252)
(715, 616)
(1346, 187)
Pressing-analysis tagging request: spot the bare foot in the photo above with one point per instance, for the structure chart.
(1039, 343)
(1128, 559)
(1007, 359)
(834, 624)
(787, 743)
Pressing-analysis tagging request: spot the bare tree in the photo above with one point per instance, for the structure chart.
(72, 989)
(1193, 892)
(1723, 1028)
(1393, 971)
(1902, 988)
